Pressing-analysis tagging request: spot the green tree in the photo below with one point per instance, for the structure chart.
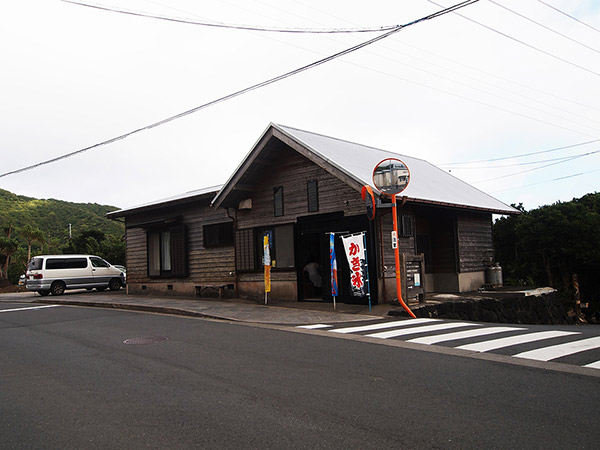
(31, 235)
(551, 243)
(8, 246)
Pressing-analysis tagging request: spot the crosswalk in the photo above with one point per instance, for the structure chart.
(525, 342)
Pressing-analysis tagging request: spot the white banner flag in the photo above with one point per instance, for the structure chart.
(355, 253)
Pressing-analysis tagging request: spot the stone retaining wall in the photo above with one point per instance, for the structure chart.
(518, 309)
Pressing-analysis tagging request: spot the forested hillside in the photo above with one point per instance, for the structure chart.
(29, 225)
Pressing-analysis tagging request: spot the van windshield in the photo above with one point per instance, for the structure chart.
(35, 264)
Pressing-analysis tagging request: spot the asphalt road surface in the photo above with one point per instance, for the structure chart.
(84, 378)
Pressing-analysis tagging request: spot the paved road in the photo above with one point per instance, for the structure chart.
(94, 378)
(572, 345)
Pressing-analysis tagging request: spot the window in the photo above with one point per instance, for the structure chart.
(35, 264)
(218, 234)
(405, 225)
(99, 262)
(249, 248)
(312, 193)
(281, 246)
(66, 263)
(167, 252)
(278, 201)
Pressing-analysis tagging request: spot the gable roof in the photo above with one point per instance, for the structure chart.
(354, 163)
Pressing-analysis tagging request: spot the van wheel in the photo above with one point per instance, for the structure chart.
(58, 288)
(43, 293)
(114, 284)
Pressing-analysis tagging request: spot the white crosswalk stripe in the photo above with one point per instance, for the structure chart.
(479, 338)
(383, 325)
(423, 329)
(594, 365)
(560, 350)
(315, 326)
(495, 344)
(462, 335)
(29, 308)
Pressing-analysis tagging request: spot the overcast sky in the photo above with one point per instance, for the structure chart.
(448, 91)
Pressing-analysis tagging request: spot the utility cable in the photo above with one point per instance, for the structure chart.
(523, 42)
(250, 88)
(234, 26)
(548, 181)
(522, 155)
(544, 26)
(537, 168)
(570, 16)
(528, 163)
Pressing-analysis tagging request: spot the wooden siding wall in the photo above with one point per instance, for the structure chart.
(475, 244)
(291, 170)
(405, 244)
(205, 265)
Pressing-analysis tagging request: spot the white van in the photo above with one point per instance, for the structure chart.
(55, 273)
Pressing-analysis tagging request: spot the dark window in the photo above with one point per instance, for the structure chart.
(244, 250)
(312, 192)
(35, 264)
(281, 246)
(278, 201)
(405, 225)
(167, 252)
(99, 262)
(66, 263)
(249, 248)
(218, 234)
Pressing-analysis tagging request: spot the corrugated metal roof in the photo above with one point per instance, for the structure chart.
(428, 183)
(169, 200)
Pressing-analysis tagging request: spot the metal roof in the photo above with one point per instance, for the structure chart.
(428, 183)
(187, 196)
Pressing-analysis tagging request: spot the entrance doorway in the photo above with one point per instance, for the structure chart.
(313, 261)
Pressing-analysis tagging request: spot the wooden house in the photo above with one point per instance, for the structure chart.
(298, 188)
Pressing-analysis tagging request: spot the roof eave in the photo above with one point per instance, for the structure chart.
(126, 212)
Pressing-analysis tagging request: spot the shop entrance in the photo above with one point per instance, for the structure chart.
(313, 263)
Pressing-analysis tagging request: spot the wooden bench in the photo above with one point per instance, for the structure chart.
(218, 288)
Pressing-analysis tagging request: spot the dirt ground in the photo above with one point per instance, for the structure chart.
(7, 286)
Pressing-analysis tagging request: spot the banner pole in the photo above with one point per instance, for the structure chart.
(333, 267)
(367, 269)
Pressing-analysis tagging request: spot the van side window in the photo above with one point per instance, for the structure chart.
(35, 264)
(66, 263)
(99, 262)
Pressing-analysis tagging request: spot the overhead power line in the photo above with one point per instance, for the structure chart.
(528, 163)
(548, 181)
(538, 168)
(523, 42)
(250, 88)
(570, 16)
(523, 155)
(544, 26)
(235, 26)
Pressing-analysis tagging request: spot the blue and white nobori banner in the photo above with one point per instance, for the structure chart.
(333, 264)
(355, 252)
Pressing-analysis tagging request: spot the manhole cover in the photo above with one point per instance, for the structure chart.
(145, 340)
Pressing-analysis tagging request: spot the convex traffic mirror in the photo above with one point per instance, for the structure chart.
(391, 176)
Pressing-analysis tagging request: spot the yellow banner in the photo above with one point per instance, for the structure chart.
(267, 278)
